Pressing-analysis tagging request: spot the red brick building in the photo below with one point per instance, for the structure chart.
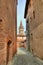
(8, 21)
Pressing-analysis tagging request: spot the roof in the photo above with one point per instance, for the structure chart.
(21, 25)
(26, 8)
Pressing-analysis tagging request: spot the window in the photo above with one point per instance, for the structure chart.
(34, 14)
(31, 36)
(0, 20)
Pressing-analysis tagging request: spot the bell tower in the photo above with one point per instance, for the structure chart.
(21, 29)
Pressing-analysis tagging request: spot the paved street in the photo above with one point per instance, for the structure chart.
(25, 58)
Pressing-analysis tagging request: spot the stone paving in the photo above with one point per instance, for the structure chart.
(25, 58)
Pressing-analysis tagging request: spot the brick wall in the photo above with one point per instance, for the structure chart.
(7, 27)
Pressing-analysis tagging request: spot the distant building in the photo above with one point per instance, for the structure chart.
(8, 19)
(34, 24)
(21, 37)
(21, 29)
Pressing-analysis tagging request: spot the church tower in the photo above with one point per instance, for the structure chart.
(21, 29)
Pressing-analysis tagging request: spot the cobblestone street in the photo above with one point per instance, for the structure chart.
(25, 58)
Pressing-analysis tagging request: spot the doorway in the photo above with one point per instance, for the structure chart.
(8, 50)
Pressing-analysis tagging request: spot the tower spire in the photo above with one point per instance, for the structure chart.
(21, 28)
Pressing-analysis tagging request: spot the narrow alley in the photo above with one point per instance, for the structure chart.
(25, 58)
(21, 32)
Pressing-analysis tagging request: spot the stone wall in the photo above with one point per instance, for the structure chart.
(36, 29)
(37, 41)
(35, 17)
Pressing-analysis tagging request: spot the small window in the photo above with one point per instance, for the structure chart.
(34, 14)
(31, 34)
(0, 20)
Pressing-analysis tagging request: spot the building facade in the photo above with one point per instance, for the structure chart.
(21, 37)
(8, 21)
(34, 16)
(21, 29)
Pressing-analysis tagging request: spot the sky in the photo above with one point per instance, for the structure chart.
(20, 13)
